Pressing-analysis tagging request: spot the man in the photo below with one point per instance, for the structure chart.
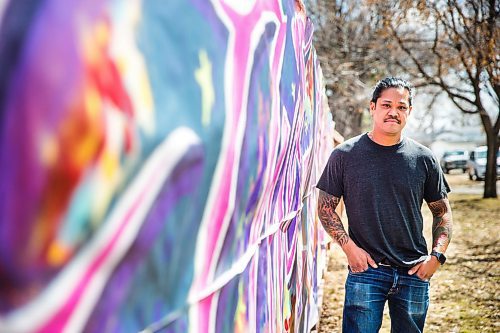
(383, 178)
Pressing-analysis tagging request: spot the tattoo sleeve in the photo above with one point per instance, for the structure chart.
(330, 219)
(441, 225)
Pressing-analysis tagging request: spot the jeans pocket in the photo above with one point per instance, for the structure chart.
(349, 270)
(418, 280)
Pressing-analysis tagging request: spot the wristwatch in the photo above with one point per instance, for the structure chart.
(440, 257)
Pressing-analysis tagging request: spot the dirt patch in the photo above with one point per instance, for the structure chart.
(465, 293)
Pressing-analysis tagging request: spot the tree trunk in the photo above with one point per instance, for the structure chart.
(490, 180)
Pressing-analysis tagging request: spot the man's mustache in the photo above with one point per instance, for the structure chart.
(392, 117)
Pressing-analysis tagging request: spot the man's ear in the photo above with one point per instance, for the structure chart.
(372, 108)
(410, 109)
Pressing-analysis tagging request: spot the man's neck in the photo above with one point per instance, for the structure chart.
(385, 140)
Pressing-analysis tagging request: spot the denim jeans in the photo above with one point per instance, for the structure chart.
(367, 292)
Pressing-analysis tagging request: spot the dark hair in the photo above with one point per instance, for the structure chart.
(392, 82)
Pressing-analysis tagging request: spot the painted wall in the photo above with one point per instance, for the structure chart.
(157, 166)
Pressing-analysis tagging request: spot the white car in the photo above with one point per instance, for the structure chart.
(454, 159)
(476, 166)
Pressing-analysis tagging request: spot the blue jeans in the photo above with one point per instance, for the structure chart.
(367, 292)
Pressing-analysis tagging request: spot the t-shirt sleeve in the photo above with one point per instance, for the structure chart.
(331, 179)
(436, 186)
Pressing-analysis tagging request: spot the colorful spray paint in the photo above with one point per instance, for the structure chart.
(158, 163)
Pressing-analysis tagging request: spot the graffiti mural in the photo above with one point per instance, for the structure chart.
(157, 166)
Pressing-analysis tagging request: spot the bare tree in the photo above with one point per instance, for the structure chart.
(351, 58)
(451, 45)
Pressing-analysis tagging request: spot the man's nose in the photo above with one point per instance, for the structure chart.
(393, 111)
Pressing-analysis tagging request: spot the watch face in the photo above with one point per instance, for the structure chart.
(440, 257)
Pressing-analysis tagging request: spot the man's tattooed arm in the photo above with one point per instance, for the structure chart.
(330, 219)
(441, 225)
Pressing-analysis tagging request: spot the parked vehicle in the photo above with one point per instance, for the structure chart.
(476, 166)
(454, 159)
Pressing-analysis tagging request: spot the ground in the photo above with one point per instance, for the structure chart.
(465, 293)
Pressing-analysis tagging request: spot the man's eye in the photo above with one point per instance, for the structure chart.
(403, 108)
(386, 106)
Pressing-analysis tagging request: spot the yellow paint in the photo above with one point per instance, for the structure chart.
(84, 150)
(93, 102)
(286, 303)
(102, 33)
(203, 76)
(57, 254)
(106, 179)
(146, 116)
(240, 322)
(100, 202)
(121, 65)
(109, 164)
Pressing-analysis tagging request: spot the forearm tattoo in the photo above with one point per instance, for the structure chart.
(330, 219)
(441, 225)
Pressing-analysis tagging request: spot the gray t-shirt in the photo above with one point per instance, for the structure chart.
(383, 189)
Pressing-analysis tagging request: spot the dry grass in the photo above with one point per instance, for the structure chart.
(465, 294)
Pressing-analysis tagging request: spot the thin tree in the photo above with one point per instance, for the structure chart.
(346, 43)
